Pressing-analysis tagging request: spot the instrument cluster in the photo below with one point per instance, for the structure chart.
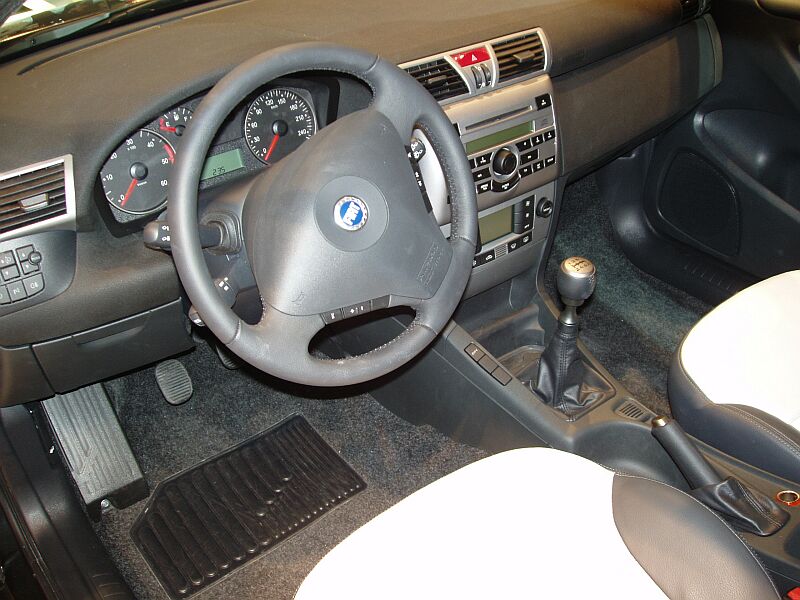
(266, 127)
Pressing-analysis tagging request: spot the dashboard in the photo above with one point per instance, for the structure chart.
(538, 91)
(267, 126)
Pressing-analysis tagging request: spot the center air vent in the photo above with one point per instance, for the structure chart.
(439, 78)
(32, 197)
(519, 56)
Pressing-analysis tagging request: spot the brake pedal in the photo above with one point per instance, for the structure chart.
(96, 451)
(174, 381)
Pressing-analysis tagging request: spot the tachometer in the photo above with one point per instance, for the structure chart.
(135, 177)
(277, 122)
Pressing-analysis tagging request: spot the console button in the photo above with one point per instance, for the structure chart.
(33, 285)
(475, 353)
(4, 297)
(416, 149)
(11, 272)
(549, 161)
(487, 364)
(6, 259)
(483, 258)
(528, 156)
(28, 267)
(513, 245)
(506, 185)
(483, 159)
(24, 252)
(17, 291)
(549, 135)
(524, 145)
(544, 208)
(543, 101)
(481, 175)
(525, 171)
(525, 239)
(332, 316)
(483, 186)
(501, 376)
(356, 309)
(538, 139)
(538, 166)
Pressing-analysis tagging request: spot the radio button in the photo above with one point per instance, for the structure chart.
(24, 252)
(11, 272)
(506, 185)
(4, 297)
(505, 162)
(526, 170)
(524, 145)
(528, 156)
(28, 267)
(549, 135)
(549, 161)
(483, 187)
(34, 285)
(543, 101)
(481, 175)
(538, 166)
(483, 159)
(538, 139)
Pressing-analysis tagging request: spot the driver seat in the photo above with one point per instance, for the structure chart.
(541, 523)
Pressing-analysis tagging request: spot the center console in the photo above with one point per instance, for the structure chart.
(499, 98)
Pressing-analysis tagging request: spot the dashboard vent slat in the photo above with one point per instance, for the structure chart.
(519, 56)
(32, 197)
(439, 78)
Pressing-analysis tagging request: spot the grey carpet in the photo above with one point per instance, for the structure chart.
(634, 322)
(394, 457)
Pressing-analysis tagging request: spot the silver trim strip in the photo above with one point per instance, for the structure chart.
(60, 222)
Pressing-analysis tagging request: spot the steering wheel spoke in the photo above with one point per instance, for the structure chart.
(337, 223)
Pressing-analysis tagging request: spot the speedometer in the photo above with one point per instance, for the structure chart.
(277, 122)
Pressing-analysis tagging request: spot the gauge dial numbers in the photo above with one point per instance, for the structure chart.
(173, 123)
(277, 122)
(135, 177)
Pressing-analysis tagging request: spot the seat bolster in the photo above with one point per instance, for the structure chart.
(683, 546)
(744, 432)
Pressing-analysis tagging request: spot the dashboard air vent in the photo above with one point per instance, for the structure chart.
(519, 56)
(439, 78)
(32, 197)
(690, 9)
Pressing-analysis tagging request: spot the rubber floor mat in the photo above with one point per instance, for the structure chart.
(203, 523)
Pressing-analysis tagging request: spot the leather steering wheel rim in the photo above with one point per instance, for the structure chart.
(278, 344)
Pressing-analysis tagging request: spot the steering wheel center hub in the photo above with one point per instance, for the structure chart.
(351, 213)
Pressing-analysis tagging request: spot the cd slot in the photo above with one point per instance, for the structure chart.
(497, 119)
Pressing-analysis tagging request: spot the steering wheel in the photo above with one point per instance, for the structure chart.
(339, 222)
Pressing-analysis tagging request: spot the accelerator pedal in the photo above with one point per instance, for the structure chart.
(227, 358)
(95, 449)
(174, 381)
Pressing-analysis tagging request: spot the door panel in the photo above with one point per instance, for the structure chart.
(726, 179)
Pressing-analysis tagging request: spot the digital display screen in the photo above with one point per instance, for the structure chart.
(498, 137)
(496, 225)
(219, 164)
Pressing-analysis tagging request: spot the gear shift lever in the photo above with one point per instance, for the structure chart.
(576, 282)
(562, 377)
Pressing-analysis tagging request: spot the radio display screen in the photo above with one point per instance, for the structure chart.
(496, 225)
(219, 164)
(499, 137)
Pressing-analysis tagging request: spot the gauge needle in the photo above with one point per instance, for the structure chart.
(272, 146)
(131, 187)
(163, 126)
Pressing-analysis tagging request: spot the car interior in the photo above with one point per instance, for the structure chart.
(380, 300)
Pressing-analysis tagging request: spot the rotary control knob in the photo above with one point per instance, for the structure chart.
(505, 162)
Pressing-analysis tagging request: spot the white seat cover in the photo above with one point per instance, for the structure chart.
(747, 350)
(528, 523)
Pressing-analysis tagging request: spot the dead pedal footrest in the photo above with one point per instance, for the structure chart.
(202, 524)
(95, 448)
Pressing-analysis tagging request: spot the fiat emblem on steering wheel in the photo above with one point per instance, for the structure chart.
(350, 213)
